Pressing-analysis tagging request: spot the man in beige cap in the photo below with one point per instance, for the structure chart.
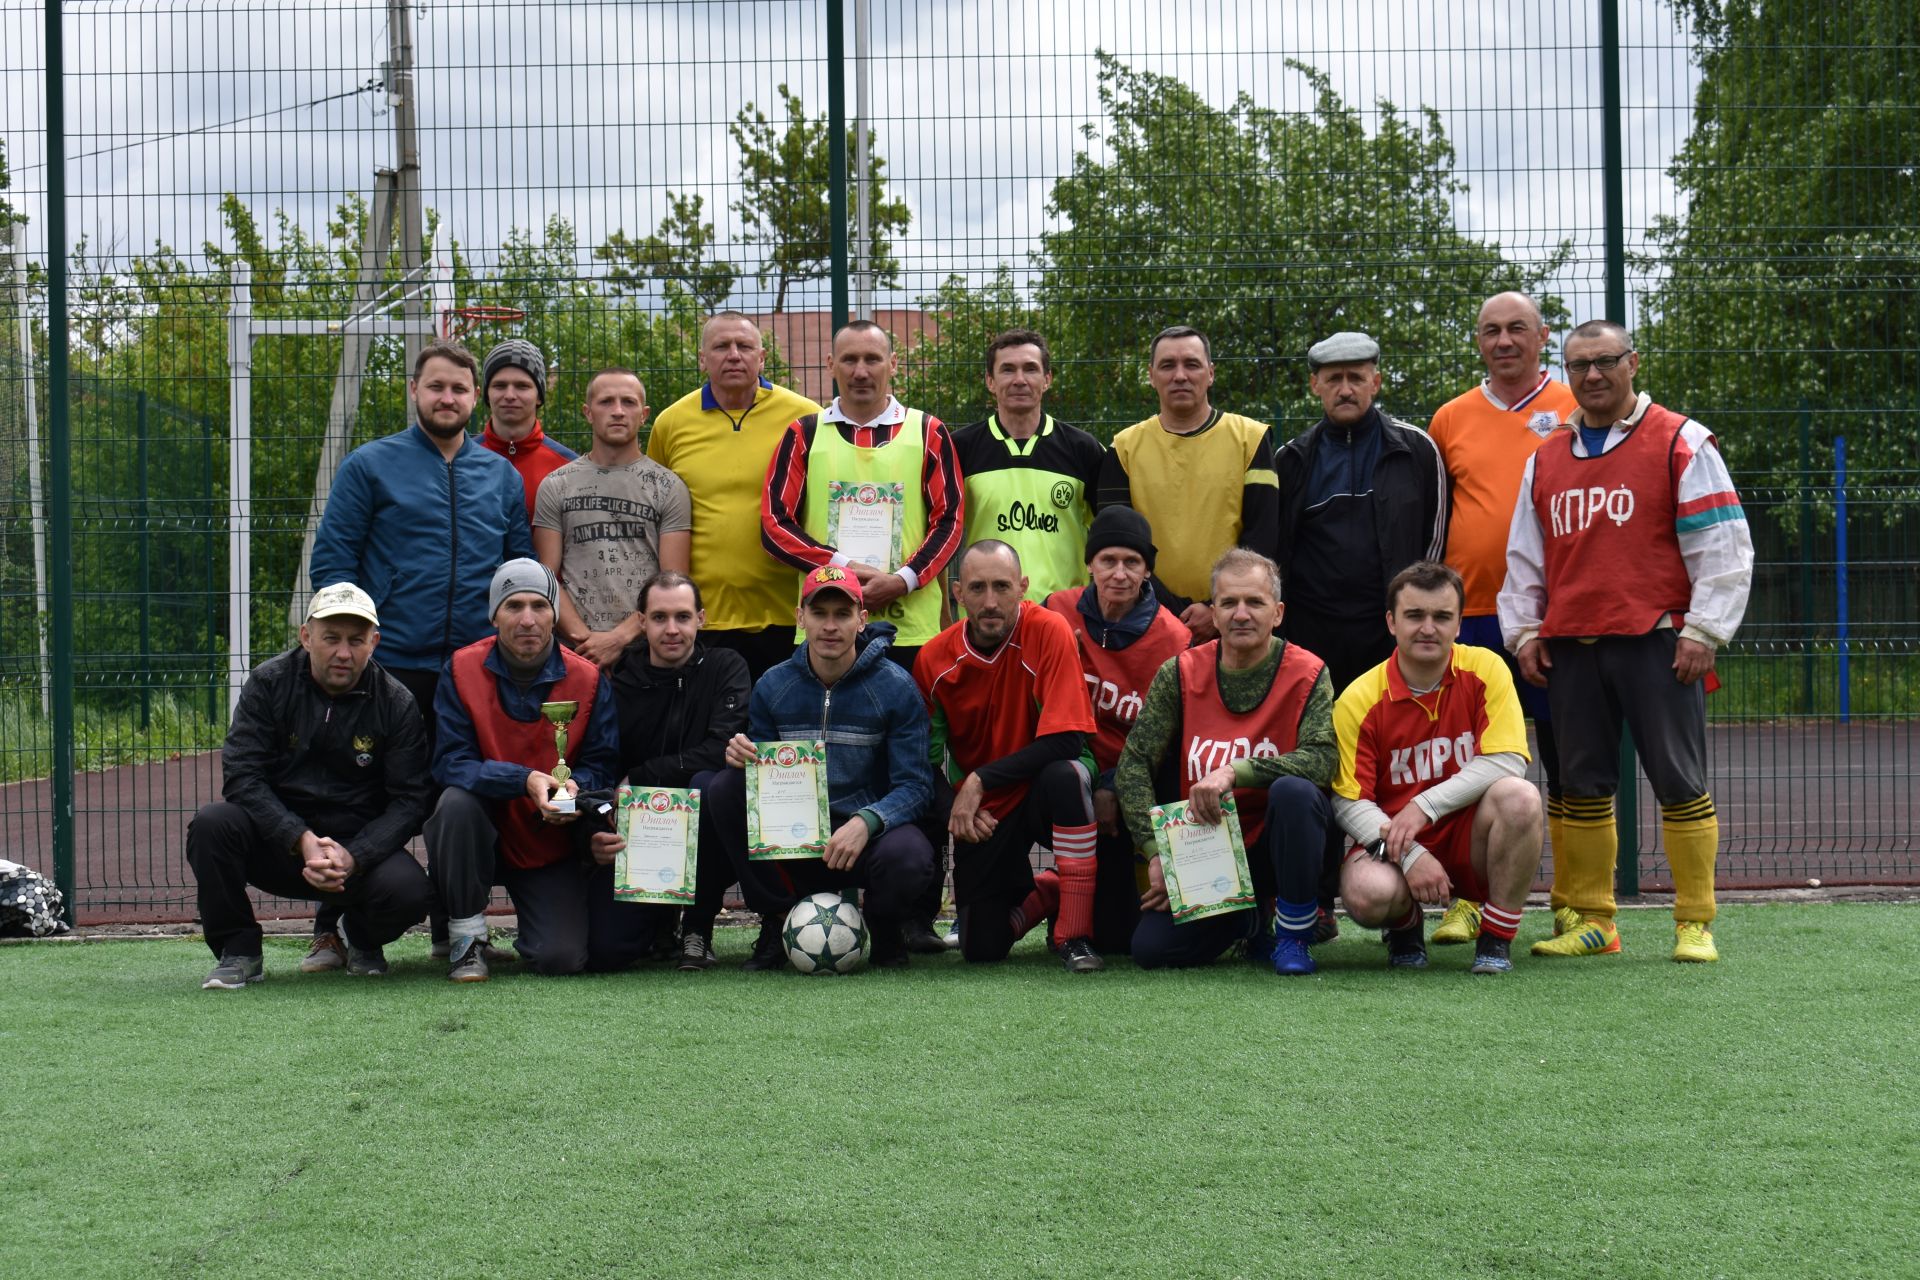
(324, 780)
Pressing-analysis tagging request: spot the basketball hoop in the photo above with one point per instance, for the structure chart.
(464, 320)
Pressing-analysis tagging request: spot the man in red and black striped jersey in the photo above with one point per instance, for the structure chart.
(1010, 721)
(867, 455)
(1431, 784)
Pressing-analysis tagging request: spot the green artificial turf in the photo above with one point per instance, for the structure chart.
(1621, 1116)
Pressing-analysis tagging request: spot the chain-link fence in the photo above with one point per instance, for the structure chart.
(252, 201)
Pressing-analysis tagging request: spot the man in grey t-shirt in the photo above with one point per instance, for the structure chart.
(608, 521)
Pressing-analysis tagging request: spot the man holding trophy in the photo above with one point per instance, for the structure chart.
(525, 727)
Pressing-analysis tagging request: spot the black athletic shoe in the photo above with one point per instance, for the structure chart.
(921, 939)
(1325, 927)
(889, 946)
(1407, 948)
(769, 949)
(1078, 955)
(1490, 955)
(694, 953)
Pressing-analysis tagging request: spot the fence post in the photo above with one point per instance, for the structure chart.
(145, 525)
(59, 472)
(1613, 166)
(837, 153)
(1840, 602)
(1806, 557)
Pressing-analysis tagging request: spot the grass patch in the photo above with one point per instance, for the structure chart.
(1621, 1116)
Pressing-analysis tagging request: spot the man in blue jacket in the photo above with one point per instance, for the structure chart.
(420, 520)
(838, 686)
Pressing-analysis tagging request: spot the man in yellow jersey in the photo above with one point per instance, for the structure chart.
(1029, 479)
(719, 440)
(1485, 437)
(1203, 478)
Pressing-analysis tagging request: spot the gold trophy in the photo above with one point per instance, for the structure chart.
(560, 715)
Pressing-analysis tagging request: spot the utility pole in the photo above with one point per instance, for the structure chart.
(400, 96)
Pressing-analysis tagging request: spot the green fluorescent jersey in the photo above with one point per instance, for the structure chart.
(1035, 495)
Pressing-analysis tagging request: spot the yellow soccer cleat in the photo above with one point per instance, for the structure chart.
(1693, 943)
(1460, 924)
(1565, 920)
(1594, 937)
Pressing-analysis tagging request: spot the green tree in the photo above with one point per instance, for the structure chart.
(947, 373)
(785, 205)
(676, 256)
(1791, 276)
(1268, 231)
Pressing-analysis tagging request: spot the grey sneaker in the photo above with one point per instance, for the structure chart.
(233, 973)
(1078, 955)
(495, 955)
(368, 962)
(468, 960)
(1491, 955)
(327, 954)
(696, 952)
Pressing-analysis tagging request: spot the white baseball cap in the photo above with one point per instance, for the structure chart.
(343, 598)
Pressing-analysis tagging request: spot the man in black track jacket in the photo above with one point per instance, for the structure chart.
(679, 702)
(324, 781)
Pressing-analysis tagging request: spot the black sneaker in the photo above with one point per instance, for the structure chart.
(467, 960)
(1490, 955)
(769, 949)
(442, 949)
(1078, 955)
(233, 973)
(921, 939)
(696, 952)
(889, 945)
(363, 962)
(1325, 927)
(1407, 948)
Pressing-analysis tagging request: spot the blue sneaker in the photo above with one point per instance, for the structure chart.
(1291, 958)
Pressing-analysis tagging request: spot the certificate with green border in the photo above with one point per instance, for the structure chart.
(787, 800)
(1205, 866)
(662, 830)
(863, 521)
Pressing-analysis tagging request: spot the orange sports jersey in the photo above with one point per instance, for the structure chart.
(985, 706)
(1394, 745)
(1485, 450)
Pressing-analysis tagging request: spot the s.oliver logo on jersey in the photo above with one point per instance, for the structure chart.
(1204, 755)
(1024, 515)
(1426, 761)
(1574, 509)
(1106, 696)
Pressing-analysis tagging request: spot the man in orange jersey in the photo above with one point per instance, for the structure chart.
(1010, 718)
(1431, 783)
(1485, 437)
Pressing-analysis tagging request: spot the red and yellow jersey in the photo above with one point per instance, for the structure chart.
(1395, 743)
(985, 706)
(1485, 446)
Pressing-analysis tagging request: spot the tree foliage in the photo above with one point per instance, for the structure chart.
(785, 202)
(1791, 277)
(1266, 230)
(677, 255)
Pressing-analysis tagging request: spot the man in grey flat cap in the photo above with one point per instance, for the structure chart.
(497, 821)
(1362, 496)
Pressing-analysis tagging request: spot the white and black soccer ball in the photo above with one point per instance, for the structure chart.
(825, 934)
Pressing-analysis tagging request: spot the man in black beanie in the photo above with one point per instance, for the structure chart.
(1124, 634)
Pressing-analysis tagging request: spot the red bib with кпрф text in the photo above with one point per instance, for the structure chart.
(525, 841)
(1212, 736)
(1117, 679)
(1612, 553)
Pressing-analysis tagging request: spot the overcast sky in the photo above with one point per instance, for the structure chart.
(594, 111)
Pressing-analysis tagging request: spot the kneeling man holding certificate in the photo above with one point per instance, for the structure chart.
(1432, 785)
(512, 708)
(824, 788)
(1247, 717)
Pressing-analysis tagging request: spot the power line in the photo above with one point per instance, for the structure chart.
(374, 83)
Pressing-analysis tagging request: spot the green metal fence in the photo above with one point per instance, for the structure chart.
(1734, 178)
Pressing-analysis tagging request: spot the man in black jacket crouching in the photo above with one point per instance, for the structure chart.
(325, 780)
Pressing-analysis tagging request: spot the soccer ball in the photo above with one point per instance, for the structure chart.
(825, 934)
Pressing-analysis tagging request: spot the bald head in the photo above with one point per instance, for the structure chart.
(1512, 336)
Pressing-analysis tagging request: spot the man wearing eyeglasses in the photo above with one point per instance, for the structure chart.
(1628, 566)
